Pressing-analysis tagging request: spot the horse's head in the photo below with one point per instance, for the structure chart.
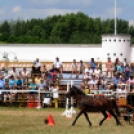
(73, 92)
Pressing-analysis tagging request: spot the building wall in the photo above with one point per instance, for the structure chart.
(78, 52)
(49, 53)
(116, 47)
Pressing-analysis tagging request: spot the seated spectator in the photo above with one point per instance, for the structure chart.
(122, 67)
(12, 82)
(58, 66)
(33, 88)
(25, 73)
(103, 84)
(131, 82)
(6, 95)
(37, 79)
(87, 77)
(19, 83)
(93, 83)
(123, 79)
(109, 67)
(97, 72)
(13, 94)
(36, 67)
(115, 81)
(92, 64)
(74, 68)
(14, 72)
(44, 71)
(121, 92)
(89, 70)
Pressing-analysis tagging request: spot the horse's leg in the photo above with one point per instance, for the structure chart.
(105, 117)
(114, 115)
(87, 118)
(78, 115)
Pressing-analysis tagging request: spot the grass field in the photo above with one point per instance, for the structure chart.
(31, 121)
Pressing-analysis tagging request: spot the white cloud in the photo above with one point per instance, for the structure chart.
(131, 23)
(42, 13)
(16, 9)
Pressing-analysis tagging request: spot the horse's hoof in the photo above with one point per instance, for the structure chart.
(73, 124)
(119, 124)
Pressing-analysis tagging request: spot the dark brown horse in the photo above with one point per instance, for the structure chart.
(89, 104)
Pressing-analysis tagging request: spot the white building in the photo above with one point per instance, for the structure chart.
(114, 46)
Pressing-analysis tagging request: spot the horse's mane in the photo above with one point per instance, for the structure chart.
(78, 90)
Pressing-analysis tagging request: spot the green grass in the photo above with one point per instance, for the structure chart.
(31, 121)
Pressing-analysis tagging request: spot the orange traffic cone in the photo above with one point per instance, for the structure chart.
(51, 121)
(109, 116)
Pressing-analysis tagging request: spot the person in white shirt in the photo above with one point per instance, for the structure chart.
(36, 66)
(87, 77)
(24, 73)
(14, 72)
(55, 94)
(93, 83)
(97, 72)
(89, 70)
(58, 66)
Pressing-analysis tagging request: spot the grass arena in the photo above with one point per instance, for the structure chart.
(31, 121)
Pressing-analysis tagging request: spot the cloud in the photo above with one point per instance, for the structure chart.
(16, 9)
(131, 23)
(41, 13)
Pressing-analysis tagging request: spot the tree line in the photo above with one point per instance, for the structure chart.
(66, 29)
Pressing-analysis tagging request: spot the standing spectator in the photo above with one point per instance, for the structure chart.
(82, 67)
(36, 67)
(2, 82)
(132, 69)
(115, 64)
(58, 66)
(109, 67)
(92, 64)
(127, 70)
(55, 95)
(42, 86)
(74, 68)
(33, 88)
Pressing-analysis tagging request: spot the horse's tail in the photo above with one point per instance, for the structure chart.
(116, 108)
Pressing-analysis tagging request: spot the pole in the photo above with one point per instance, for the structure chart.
(67, 102)
(115, 19)
(72, 110)
(38, 100)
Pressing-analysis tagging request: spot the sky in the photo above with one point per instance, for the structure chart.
(27, 9)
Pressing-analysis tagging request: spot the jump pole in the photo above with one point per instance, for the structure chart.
(72, 110)
(65, 113)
